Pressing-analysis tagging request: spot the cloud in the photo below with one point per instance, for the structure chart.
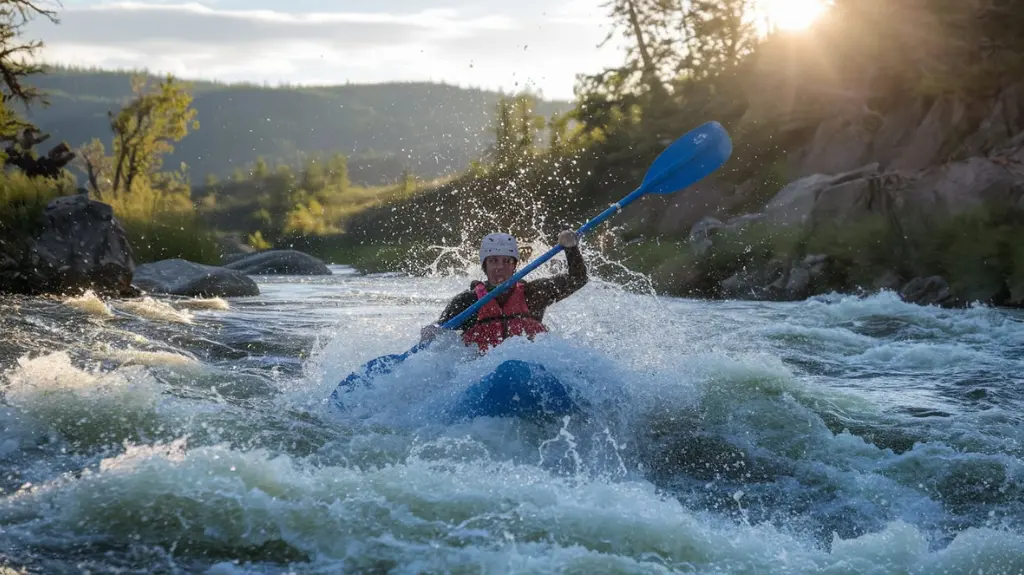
(134, 23)
(468, 46)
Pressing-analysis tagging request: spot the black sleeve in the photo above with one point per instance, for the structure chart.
(547, 291)
(459, 304)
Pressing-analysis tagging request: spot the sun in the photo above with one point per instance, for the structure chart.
(792, 15)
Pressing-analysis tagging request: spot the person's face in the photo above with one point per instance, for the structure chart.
(499, 268)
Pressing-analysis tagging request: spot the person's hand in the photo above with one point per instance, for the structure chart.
(429, 332)
(567, 239)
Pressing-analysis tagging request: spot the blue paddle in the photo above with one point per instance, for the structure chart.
(688, 160)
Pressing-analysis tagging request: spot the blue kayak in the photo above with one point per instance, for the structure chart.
(515, 388)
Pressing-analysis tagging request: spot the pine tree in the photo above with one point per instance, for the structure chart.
(649, 35)
(719, 34)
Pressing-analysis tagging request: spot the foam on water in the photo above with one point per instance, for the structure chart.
(144, 357)
(427, 514)
(760, 413)
(87, 408)
(837, 435)
(90, 303)
(150, 308)
(213, 303)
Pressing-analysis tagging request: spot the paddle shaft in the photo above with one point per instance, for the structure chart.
(468, 312)
(682, 153)
(612, 209)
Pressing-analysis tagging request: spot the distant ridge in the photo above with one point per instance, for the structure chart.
(433, 129)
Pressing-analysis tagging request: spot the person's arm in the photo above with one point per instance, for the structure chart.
(459, 304)
(547, 291)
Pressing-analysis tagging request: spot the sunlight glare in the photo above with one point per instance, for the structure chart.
(792, 15)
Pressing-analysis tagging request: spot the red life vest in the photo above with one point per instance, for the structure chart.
(494, 323)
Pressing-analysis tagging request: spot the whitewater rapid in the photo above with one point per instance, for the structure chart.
(836, 435)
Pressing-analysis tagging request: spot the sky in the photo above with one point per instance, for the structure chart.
(494, 44)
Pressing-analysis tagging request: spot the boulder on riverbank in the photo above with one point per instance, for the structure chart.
(185, 278)
(278, 262)
(77, 245)
(233, 248)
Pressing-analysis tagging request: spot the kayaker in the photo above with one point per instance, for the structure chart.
(519, 310)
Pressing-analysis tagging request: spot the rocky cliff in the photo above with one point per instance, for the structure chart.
(924, 197)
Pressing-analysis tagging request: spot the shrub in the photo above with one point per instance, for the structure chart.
(865, 248)
(169, 236)
(162, 225)
(23, 199)
(978, 252)
(256, 241)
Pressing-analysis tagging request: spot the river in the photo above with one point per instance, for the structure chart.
(835, 435)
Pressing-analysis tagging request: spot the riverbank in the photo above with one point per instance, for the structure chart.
(974, 257)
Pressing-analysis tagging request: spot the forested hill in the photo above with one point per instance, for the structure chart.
(432, 129)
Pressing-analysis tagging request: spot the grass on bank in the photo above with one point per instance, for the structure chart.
(23, 199)
(979, 253)
(158, 225)
(163, 225)
(365, 257)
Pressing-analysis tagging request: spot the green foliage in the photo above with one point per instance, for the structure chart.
(978, 252)
(158, 226)
(558, 133)
(650, 31)
(144, 132)
(647, 256)
(719, 34)
(343, 249)
(668, 262)
(753, 244)
(171, 234)
(307, 219)
(516, 128)
(278, 202)
(866, 248)
(256, 241)
(687, 46)
(383, 258)
(154, 205)
(23, 199)
(163, 224)
(407, 183)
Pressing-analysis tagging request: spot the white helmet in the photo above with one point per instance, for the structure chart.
(498, 245)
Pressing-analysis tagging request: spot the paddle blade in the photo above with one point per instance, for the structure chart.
(689, 159)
